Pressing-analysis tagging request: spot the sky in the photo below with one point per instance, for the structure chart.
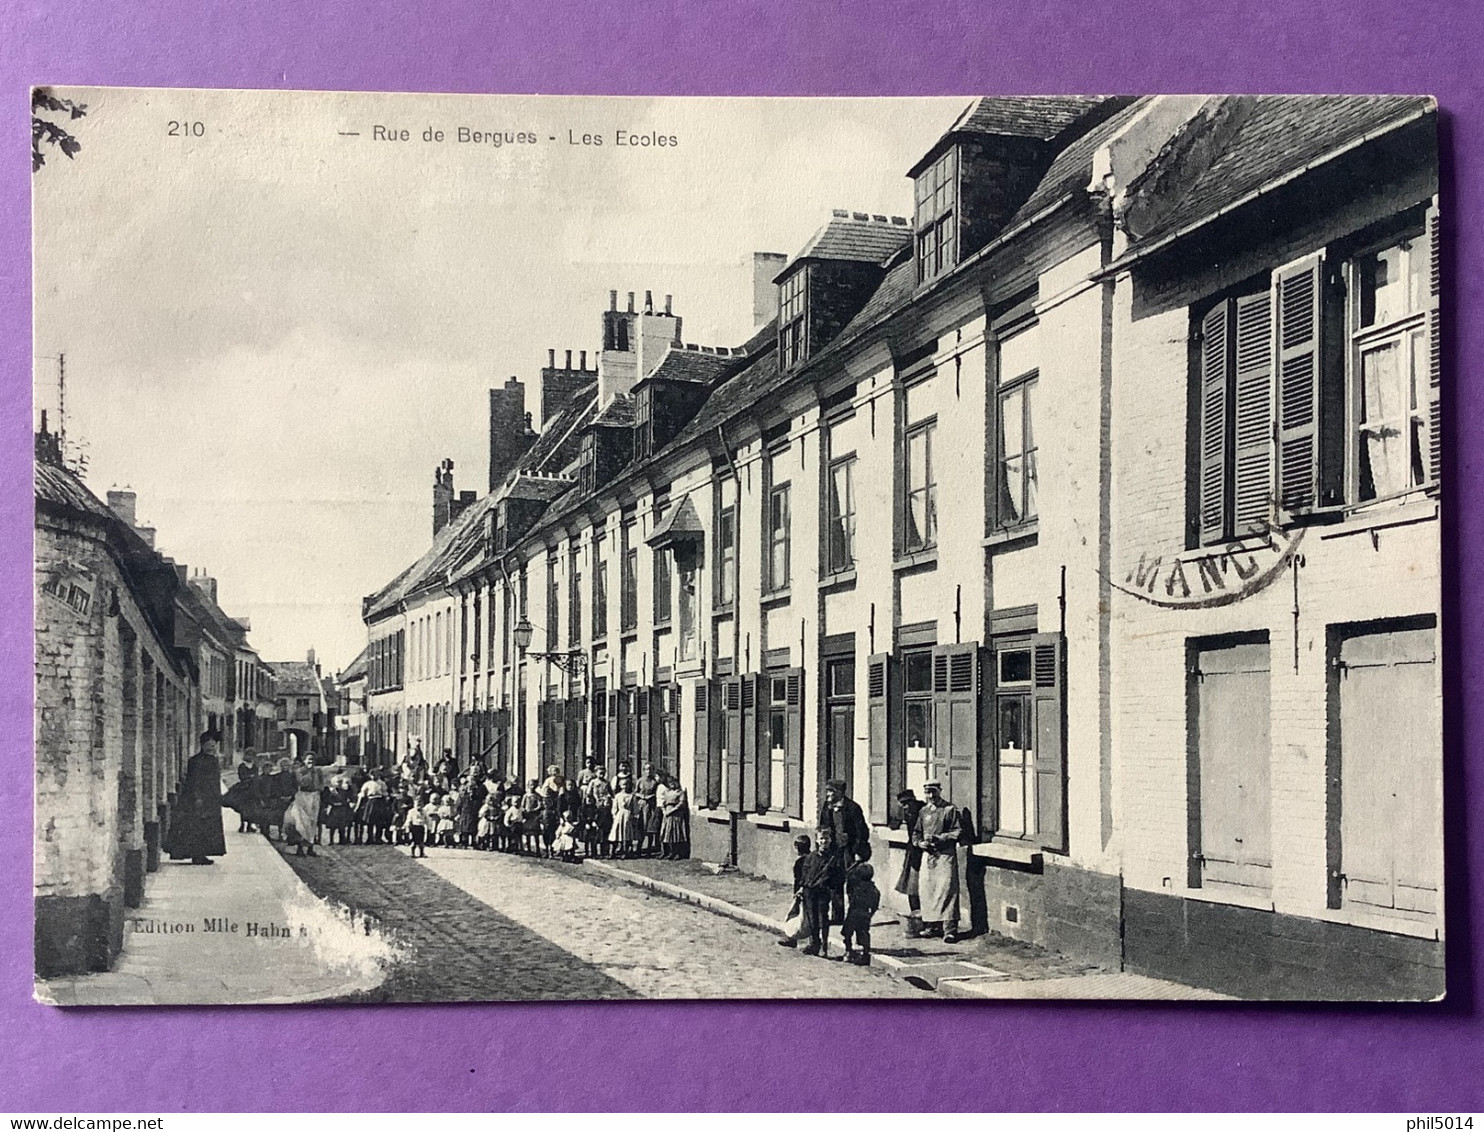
(274, 331)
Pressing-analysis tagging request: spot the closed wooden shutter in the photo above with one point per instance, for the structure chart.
(541, 733)
(732, 741)
(747, 786)
(956, 722)
(1215, 385)
(1297, 294)
(1434, 364)
(577, 727)
(1047, 669)
(878, 722)
(1253, 434)
(793, 748)
(702, 788)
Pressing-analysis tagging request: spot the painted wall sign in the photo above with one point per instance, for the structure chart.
(1211, 576)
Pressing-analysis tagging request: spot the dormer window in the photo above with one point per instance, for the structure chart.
(792, 336)
(936, 217)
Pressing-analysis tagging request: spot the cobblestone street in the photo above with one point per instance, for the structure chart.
(489, 926)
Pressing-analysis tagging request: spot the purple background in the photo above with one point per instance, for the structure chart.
(703, 1056)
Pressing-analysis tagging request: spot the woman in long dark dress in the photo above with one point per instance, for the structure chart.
(196, 826)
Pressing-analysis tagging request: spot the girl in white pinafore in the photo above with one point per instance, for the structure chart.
(621, 836)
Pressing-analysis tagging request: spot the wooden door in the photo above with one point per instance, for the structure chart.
(1235, 753)
(1390, 765)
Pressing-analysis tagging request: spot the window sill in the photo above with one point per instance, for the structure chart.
(722, 611)
(776, 597)
(926, 559)
(1009, 852)
(665, 624)
(719, 817)
(839, 580)
(770, 821)
(1004, 536)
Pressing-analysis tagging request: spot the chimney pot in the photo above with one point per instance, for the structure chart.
(569, 359)
(648, 302)
(551, 359)
(631, 302)
(583, 363)
(667, 304)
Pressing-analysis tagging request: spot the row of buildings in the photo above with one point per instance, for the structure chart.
(134, 660)
(1104, 488)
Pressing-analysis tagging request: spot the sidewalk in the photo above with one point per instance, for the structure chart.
(987, 966)
(244, 930)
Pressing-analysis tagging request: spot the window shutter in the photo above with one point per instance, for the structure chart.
(1254, 414)
(762, 742)
(793, 747)
(1047, 665)
(732, 737)
(878, 712)
(956, 722)
(1296, 292)
(703, 795)
(541, 732)
(747, 781)
(1434, 365)
(1215, 363)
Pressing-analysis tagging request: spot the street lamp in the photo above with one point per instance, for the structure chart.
(523, 633)
(572, 662)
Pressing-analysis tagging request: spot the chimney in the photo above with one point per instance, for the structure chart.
(206, 584)
(147, 534)
(560, 383)
(612, 301)
(631, 302)
(509, 437)
(123, 504)
(311, 661)
(182, 572)
(442, 495)
(765, 268)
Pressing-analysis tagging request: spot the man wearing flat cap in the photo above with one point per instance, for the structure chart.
(845, 820)
(936, 833)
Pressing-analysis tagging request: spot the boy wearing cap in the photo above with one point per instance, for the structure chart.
(791, 939)
(865, 899)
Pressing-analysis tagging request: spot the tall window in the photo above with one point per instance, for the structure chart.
(600, 590)
(937, 230)
(726, 556)
(553, 601)
(1016, 449)
(1389, 358)
(438, 644)
(663, 584)
(921, 528)
(917, 716)
(574, 600)
(840, 540)
(628, 598)
(778, 538)
(792, 341)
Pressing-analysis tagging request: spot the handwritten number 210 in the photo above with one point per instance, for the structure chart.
(187, 129)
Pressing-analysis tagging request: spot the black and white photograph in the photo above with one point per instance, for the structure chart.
(497, 547)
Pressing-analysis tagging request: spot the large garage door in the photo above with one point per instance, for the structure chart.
(1390, 764)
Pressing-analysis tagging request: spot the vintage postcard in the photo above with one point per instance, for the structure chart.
(498, 548)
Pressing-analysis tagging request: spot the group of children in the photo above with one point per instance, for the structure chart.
(831, 886)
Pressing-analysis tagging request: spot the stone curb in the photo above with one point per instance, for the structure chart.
(675, 892)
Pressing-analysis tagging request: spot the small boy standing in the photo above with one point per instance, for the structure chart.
(791, 938)
(416, 825)
(864, 898)
(817, 878)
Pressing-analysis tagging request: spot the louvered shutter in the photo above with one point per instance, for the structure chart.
(762, 734)
(747, 784)
(611, 728)
(732, 737)
(793, 747)
(576, 726)
(1253, 434)
(878, 719)
(1434, 362)
(1296, 291)
(541, 732)
(1047, 665)
(956, 722)
(1215, 384)
(703, 795)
